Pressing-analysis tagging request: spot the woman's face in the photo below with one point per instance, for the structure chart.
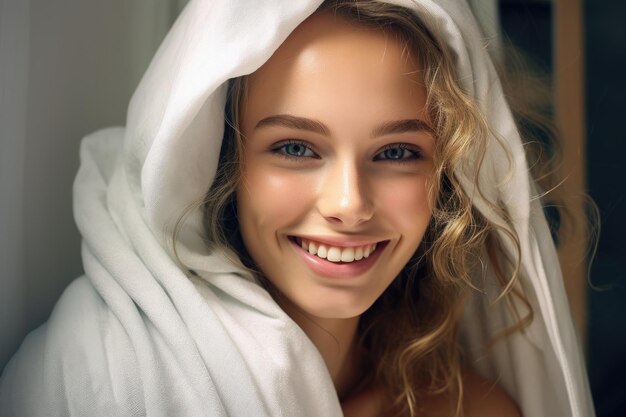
(338, 158)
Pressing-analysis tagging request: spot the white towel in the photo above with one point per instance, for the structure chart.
(135, 336)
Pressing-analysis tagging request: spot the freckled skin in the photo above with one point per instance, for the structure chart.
(351, 79)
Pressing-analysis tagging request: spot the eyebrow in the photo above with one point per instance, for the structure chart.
(403, 126)
(311, 125)
(294, 122)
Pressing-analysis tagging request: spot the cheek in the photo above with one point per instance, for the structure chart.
(406, 203)
(273, 197)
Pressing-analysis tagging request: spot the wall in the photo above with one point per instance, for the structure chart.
(68, 68)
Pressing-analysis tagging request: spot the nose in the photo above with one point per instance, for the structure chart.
(344, 198)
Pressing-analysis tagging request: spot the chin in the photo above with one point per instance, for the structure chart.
(339, 306)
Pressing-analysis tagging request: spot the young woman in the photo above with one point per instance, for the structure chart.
(370, 243)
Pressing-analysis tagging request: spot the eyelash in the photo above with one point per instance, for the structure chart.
(279, 150)
(416, 153)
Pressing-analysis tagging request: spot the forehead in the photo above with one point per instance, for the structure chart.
(330, 65)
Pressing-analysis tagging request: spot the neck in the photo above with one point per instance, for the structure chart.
(336, 341)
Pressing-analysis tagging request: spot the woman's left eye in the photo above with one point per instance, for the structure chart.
(399, 153)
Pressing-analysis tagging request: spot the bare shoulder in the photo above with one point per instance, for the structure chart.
(367, 403)
(484, 398)
(481, 398)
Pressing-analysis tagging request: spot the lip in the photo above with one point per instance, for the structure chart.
(339, 242)
(338, 269)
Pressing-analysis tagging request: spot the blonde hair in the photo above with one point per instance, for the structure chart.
(417, 356)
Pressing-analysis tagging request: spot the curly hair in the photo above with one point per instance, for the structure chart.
(418, 355)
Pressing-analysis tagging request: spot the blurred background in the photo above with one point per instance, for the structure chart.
(69, 67)
(581, 48)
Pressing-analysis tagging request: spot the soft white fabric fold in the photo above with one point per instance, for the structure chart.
(136, 336)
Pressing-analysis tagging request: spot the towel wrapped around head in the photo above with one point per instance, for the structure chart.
(137, 336)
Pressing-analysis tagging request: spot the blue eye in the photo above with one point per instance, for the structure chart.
(398, 153)
(294, 149)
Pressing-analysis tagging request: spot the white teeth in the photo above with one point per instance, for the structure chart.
(347, 255)
(334, 254)
(337, 254)
(322, 251)
(372, 248)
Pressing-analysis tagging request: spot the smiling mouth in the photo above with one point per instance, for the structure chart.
(337, 254)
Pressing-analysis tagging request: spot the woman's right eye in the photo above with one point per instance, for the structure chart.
(294, 149)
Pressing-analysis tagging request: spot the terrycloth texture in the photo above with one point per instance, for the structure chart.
(135, 336)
